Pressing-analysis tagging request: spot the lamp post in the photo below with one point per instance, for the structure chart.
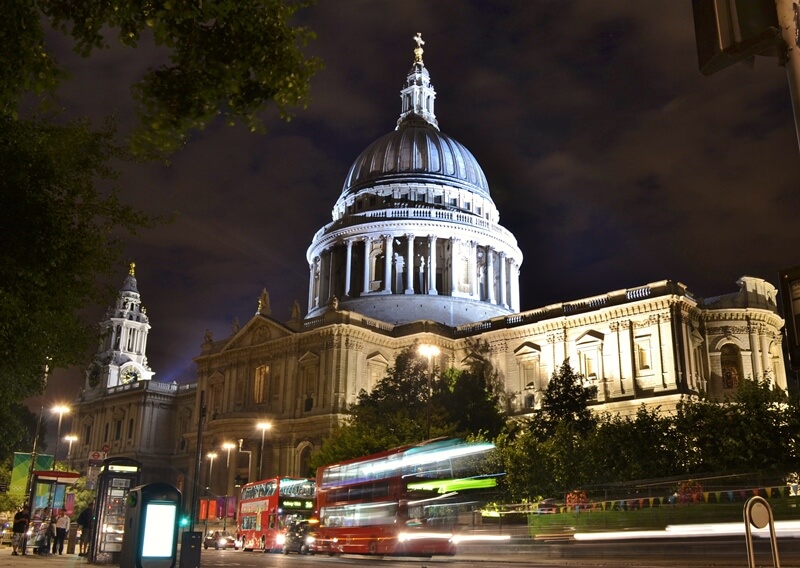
(61, 411)
(429, 351)
(211, 456)
(263, 426)
(226, 446)
(249, 462)
(70, 438)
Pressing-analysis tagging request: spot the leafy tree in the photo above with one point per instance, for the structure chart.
(60, 236)
(61, 219)
(644, 446)
(753, 430)
(395, 412)
(471, 397)
(232, 58)
(565, 401)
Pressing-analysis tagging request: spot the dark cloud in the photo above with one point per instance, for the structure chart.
(611, 158)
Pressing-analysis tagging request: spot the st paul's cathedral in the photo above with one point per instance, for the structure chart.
(414, 254)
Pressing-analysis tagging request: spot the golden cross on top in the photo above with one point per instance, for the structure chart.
(418, 49)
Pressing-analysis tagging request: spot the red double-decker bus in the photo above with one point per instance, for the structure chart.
(267, 507)
(404, 501)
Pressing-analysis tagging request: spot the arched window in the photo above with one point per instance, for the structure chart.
(731, 363)
(305, 455)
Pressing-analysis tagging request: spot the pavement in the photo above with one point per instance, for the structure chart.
(34, 560)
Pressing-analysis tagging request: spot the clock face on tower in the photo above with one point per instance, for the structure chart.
(130, 375)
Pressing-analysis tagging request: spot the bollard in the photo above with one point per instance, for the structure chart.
(758, 513)
(72, 538)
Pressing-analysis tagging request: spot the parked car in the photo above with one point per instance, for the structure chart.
(220, 539)
(300, 538)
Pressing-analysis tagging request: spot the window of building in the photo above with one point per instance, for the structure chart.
(130, 429)
(105, 431)
(453, 202)
(87, 433)
(643, 353)
(590, 356)
(261, 384)
(731, 363)
(437, 199)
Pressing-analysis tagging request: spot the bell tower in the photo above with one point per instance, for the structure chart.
(121, 357)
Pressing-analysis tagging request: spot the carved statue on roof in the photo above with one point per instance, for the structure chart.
(296, 310)
(263, 304)
(235, 327)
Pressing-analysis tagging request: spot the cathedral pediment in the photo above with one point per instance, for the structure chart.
(258, 330)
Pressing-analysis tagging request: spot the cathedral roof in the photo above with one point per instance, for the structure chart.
(416, 151)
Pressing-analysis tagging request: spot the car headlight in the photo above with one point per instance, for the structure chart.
(310, 539)
(280, 539)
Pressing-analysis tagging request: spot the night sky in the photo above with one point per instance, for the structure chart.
(610, 157)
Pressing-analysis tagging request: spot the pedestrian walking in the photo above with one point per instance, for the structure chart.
(20, 528)
(62, 526)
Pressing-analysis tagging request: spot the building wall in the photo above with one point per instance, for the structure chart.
(651, 345)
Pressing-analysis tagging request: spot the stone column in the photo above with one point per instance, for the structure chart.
(766, 358)
(410, 264)
(755, 360)
(348, 266)
(513, 270)
(367, 263)
(503, 283)
(490, 276)
(388, 249)
(453, 266)
(311, 285)
(473, 274)
(432, 265)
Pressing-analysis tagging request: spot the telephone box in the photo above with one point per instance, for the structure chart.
(116, 478)
(151, 527)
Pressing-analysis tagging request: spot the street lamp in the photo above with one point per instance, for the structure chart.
(211, 456)
(226, 446)
(249, 460)
(70, 438)
(429, 351)
(263, 426)
(61, 411)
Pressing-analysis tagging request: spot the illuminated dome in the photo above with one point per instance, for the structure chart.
(416, 151)
(415, 234)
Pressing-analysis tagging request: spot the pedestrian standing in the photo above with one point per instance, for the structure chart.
(20, 529)
(86, 522)
(62, 526)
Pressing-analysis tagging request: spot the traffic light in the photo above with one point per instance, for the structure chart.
(729, 31)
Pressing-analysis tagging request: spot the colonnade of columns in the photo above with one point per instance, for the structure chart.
(491, 275)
